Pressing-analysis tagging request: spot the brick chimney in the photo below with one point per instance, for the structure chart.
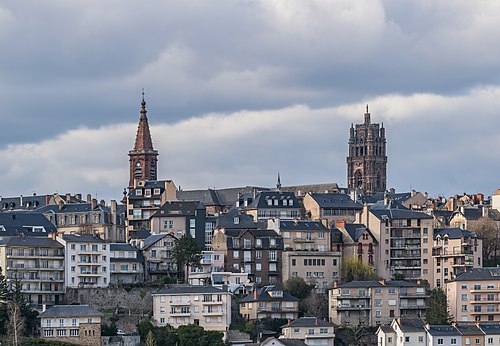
(340, 223)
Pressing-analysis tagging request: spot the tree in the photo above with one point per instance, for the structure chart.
(316, 304)
(437, 311)
(16, 322)
(298, 288)
(108, 329)
(143, 328)
(150, 339)
(355, 270)
(4, 295)
(488, 230)
(186, 253)
(193, 334)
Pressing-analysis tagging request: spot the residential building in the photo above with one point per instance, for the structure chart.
(491, 334)
(311, 330)
(272, 341)
(474, 296)
(274, 204)
(269, 302)
(358, 242)
(157, 252)
(404, 240)
(126, 264)
(495, 200)
(374, 303)
(236, 283)
(302, 234)
(87, 260)
(443, 335)
(367, 160)
(206, 306)
(467, 217)
(29, 224)
(144, 198)
(75, 324)
(256, 252)
(331, 207)
(180, 218)
(471, 334)
(402, 332)
(454, 252)
(21, 202)
(38, 264)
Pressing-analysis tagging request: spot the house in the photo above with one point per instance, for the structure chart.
(75, 324)
(206, 306)
(127, 264)
(87, 260)
(22, 223)
(311, 330)
(157, 252)
(443, 335)
(401, 332)
(358, 242)
(269, 302)
(471, 334)
(38, 264)
(331, 207)
(274, 204)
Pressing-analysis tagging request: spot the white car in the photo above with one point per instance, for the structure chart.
(120, 332)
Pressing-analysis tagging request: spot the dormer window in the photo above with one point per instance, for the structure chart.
(275, 201)
(236, 220)
(290, 202)
(269, 202)
(285, 202)
(138, 192)
(156, 191)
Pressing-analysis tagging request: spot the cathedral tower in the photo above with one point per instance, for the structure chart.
(143, 158)
(367, 160)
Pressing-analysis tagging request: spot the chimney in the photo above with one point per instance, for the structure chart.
(113, 206)
(255, 294)
(89, 198)
(68, 197)
(102, 202)
(386, 199)
(78, 196)
(93, 203)
(340, 223)
(426, 194)
(392, 191)
(413, 192)
(21, 201)
(335, 283)
(382, 281)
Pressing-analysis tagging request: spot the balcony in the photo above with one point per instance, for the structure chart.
(212, 313)
(303, 240)
(485, 290)
(180, 302)
(485, 312)
(412, 307)
(486, 301)
(213, 302)
(180, 314)
(351, 308)
(413, 295)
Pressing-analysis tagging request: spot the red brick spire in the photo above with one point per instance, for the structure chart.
(143, 138)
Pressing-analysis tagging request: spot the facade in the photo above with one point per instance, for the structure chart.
(144, 198)
(404, 240)
(274, 204)
(367, 160)
(75, 324)
(311, 330)
(180, 218)
(126, 264)
(143, 158)
(256, 252)
(236, 283)
(269, 302)
(454, 252)
(474, 296)
(38, 262)
(443, 335)
(302, 234)
(206, 306)
(29, 224)
(330, 207)
(358, 242)
(373, 303)
(402, 332)
(87, 261)
(157, 249)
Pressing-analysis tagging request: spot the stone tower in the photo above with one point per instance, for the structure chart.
(143, 158)
(367, 160)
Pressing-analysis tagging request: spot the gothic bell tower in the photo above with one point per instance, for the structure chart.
(143, 158)
(367, 160)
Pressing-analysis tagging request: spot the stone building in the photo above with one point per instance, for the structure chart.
(269, 302)
(367, 160)
(331, 207)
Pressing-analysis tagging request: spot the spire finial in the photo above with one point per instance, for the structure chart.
(367, 115)
(366, 106)
(278, 184)
(143, 105)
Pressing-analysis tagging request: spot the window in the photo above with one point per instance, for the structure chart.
(258, 267)
(258, 254)
(440, 341)
(73, 332)
(453, 341)
(236, 254)
(272, 255)
(420, 338)
(407, 339)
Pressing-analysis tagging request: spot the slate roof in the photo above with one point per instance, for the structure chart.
(82, 238)
(470, 213)
(490, 329)
(470, 329)
(220, 197)
(311, 188)
(308, 322)
(72, 208)
(179, 208)
(260, 201)
(153, 238)
(396, 213)
(263, 234)
(355, 230)
(480, 274)
(443, 330)
(141, 234)
(189, 289)
(263, 295)
(409, 325)
(28, 202)
(149, 184)
(121, 247)
(335, 200)
(70, 311)
(454, 233)
(17, 223)
(302, 225)
(31, 241)
(207, 197)
(386, 329)
(226, 220)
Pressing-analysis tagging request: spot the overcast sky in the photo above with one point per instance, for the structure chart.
(239, 90)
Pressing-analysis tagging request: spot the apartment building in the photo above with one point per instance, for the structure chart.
(126, 264)
(74, 324)
(236, 283)
(206, 306)
(302, 234)
(87, 261)
(253, 251)
(157, 252)
(374, 303)
(311, 330)
(474, 296)
(38, 263)
(358, 242)
(144, 198)
(404, 240)
(14, 224)
(269, 302)
(331, 207)
(274, 204)
(454, 252)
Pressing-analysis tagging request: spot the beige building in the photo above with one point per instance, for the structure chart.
(157, 252)
(206, 306)
(330, 207)
(75, 324)
(374, 303)
(358, 242)
(474, 296)
(127, 264)
(454, 252)
(311, 330)
(274, 204)
(269, 302)
(302, 234)
(38, 263)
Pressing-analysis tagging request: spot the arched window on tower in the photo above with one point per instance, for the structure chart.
(358, 179)
(379, 180)
(138, 171)
(152, 170)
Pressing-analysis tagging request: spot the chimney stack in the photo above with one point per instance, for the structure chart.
(68, 197)
(89, 198)
(93, 203)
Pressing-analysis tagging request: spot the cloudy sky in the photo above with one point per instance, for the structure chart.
(239, 90)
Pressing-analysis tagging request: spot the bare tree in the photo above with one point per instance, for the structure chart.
(488, 230)
(16, 322)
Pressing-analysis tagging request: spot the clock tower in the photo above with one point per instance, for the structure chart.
(367, 160)
(143, 158)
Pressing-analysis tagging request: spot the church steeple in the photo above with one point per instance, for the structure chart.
(143, 158)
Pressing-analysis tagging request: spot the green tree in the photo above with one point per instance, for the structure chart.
(355, 270)
(4, 295)
(29, 315)
(150, 339)
(108, 329)
(298, 288)
(192, 334)
(437, 311)
(186, 252)
(143, 328)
